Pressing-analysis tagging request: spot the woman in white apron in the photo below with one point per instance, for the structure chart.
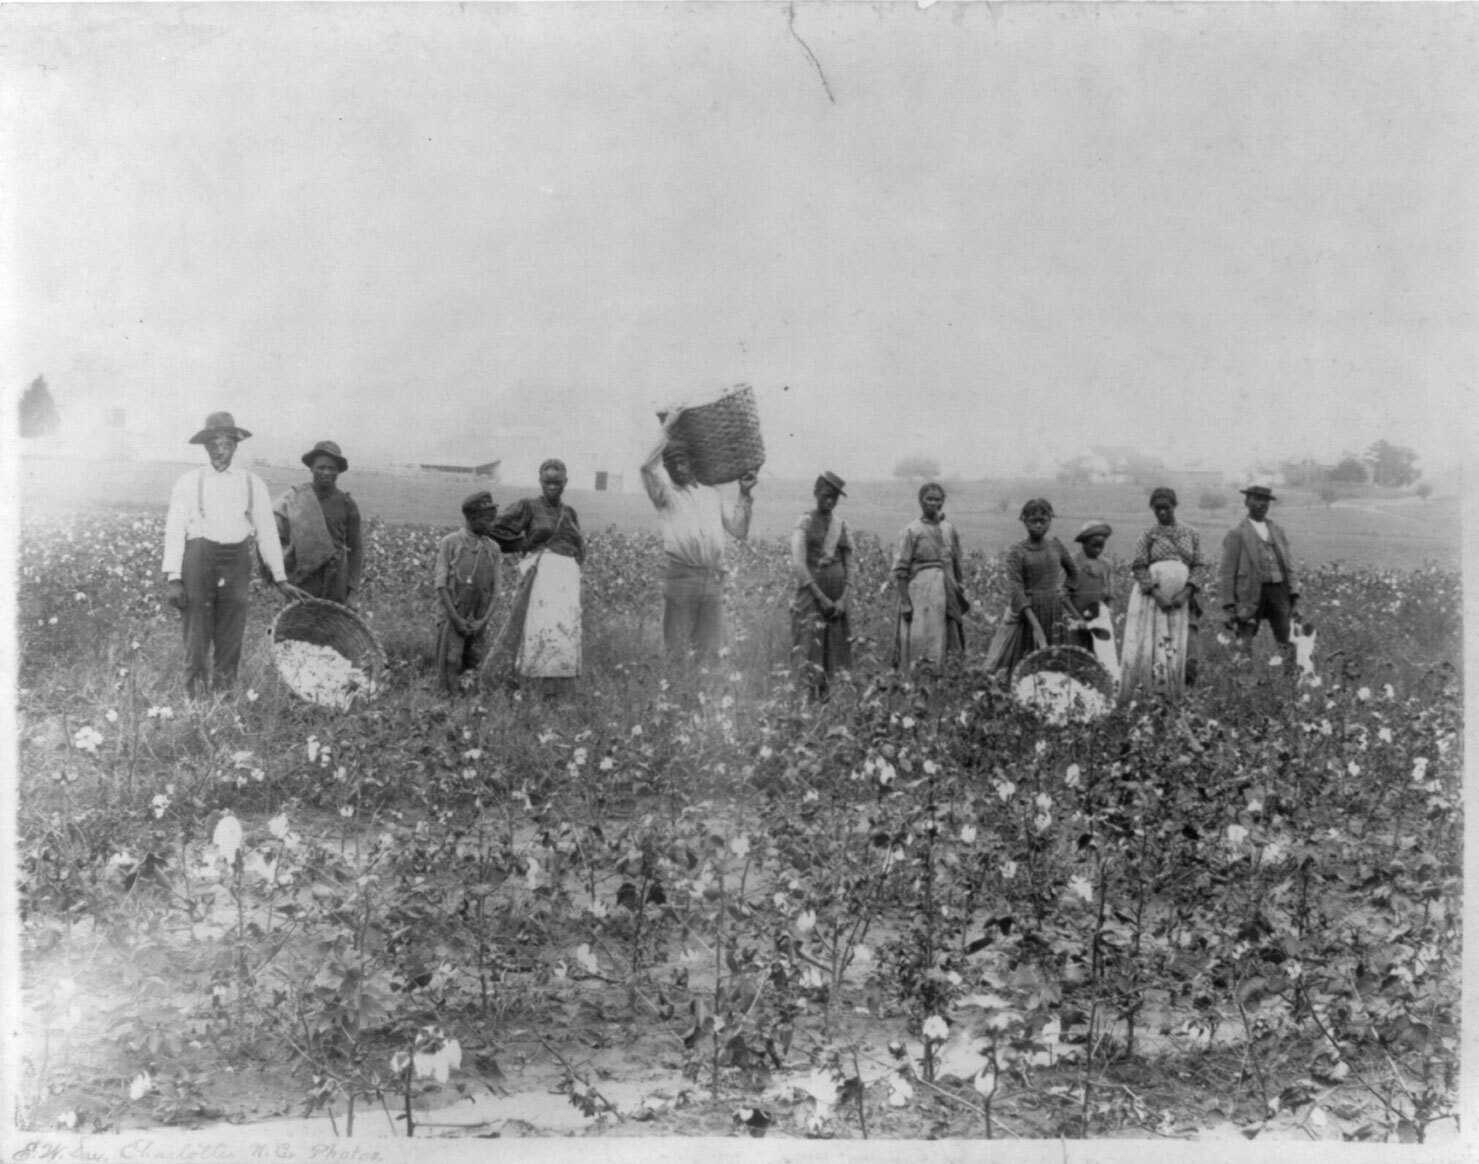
(927, 576)
(1159, 655)
(544, 624)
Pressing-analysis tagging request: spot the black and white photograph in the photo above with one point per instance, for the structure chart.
(736, 579)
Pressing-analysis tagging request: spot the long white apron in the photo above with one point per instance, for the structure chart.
(550, 646)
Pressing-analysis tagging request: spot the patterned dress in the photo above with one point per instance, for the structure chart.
(928, 559)
(1159, 643)
(1037, 577)
(545, 619)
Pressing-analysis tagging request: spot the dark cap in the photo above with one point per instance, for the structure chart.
(474, 502)
(1262, 491)
(219, 422)
(326, 448)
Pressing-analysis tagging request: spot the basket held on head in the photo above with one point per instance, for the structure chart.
(722, 437)
(327, 624)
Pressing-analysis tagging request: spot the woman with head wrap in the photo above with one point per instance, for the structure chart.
(1038, 572)
(821, 559)
(927, 575)
(1160, 624)
(544, 623)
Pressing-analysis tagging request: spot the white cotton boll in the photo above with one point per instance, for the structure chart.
(227, 837)
(1060, 699)
(320, 674)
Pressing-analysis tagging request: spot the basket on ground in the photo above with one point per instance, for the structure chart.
(723, 437)
(326, 653)
(1063, 685)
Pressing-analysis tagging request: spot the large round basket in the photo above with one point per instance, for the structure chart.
(301, 632)
(723, 436)
(1063, 685)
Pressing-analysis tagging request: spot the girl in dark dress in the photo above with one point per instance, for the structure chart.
(1038, 571)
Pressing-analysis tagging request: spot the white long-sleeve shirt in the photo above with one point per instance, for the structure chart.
(226, 507)
(694, 520)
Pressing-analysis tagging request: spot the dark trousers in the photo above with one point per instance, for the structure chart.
(1274, 605)
(693, 612)
(217, 580)
(331, 580)
(457, 654)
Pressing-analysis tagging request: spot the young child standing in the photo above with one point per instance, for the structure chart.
(465, 576)
(1092, 594)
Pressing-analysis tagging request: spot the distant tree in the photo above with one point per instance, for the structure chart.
(1328, 493)
(1425, 490)
(1211, 500)
(1303, 474)
(917, 466)
(1393, 465)
(38, 410)
(1350, 471)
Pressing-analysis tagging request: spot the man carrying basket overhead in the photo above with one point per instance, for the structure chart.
(694, 525)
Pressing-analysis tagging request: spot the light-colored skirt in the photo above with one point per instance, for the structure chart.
(550, 645)
(928, 635)
(1154, 656)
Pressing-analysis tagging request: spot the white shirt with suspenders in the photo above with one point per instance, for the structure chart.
(228, 508)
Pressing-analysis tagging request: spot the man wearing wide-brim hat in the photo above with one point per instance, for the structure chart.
(219, 521)
(319, 526)
(1257, 581)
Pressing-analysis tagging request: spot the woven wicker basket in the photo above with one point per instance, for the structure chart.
(1051, 697)
(723, 437)
(327, 624)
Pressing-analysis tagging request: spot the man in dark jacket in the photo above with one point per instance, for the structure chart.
(1257, 579)
(319, 526)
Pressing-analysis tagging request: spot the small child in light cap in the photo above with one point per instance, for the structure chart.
(1094, 585)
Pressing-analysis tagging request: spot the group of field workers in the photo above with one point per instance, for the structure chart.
(222, 523)
(1054, 598)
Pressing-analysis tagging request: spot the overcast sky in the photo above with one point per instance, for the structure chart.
(1222, 234)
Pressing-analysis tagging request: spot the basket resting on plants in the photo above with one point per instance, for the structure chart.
(1063, 684)
(325, 653)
